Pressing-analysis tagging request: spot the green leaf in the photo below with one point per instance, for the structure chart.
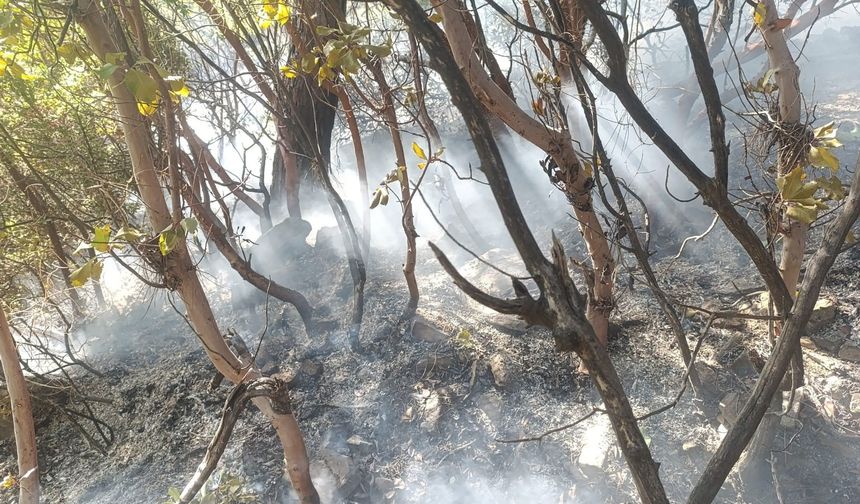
(128, 234)
(83, 246)
(802, 213)
(380, 51)
(144, 89)
(823, 158)
(174, 493)
(325, 31)
(189, 224)
(115, 57)
(167, 240)
(106, 71)
(68, 52)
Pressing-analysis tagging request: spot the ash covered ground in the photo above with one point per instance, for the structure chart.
(420, 414)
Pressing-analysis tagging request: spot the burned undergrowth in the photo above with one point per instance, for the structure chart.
(427, 412)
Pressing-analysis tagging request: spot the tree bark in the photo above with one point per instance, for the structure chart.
(559, 146)
(563, 301)
(41, 210)
(407, 220)
(179, 269)
(22, 417)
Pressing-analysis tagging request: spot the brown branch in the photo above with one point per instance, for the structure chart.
(541, 437)
(272, 388)
(768, 384)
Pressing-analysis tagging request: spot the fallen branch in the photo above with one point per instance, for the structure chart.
(555, 430)
(278, 394)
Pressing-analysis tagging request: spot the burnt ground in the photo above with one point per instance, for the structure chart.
(418, 415)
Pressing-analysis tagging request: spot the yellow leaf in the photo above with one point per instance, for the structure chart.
(759, 14)
(823, 158)
(101, 240)
(589, 170)
(802, 213)
(146, 109)
(8, 482)
(265, 24)
(790, 184)
(418, 151)
(270, 7)
(177, 86)
(436, 17)
(421, 166)
(289, 72)
(282, 15)
(91, 269)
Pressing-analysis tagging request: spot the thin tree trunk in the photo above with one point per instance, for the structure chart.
(560, 304)
(557, 144)
(407, 220)
(44, 213)
(22, 417)
(475, 237)
(179, 266)
(361, 167)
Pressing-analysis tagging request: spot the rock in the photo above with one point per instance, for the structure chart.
(491, 404)
(595, 451)
(340, 465)
(743, 366)
(850, 351)
(328, 239)
(708, 377)
(435, 363)
(854, 404)
(311, 367)
(807, 343)
(692, 445)
(359, 444)
(500, 370)
(730, 406)
(828, 341)
(427, 332)
(385, 487)
(822, 314)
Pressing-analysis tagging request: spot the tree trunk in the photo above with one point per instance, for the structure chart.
(407, 220)
(22, 417)
(559, 146)
(179, 267)
(560, 301)
(42, 211)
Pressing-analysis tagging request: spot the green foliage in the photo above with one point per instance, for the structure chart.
(346, 48)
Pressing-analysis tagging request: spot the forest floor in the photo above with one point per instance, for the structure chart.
(423, 412)
(421, 415)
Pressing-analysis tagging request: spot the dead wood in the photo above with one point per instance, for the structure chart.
(272, 388)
